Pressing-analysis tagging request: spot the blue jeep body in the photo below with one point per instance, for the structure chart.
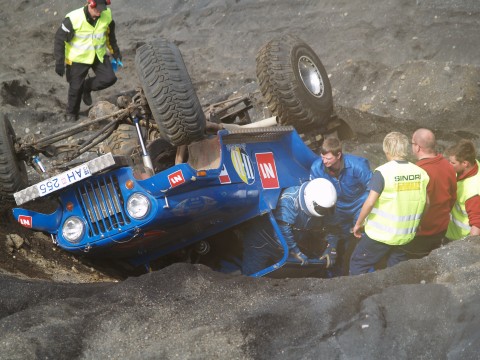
(229, 178)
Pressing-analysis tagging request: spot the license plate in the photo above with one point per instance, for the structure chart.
(64, 179)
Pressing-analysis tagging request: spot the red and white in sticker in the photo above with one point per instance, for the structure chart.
(176, 178)
(224, 177)
(25, 221)
(267, 170)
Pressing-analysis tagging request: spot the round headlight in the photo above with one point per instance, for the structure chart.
(73, 229)
(138, 206)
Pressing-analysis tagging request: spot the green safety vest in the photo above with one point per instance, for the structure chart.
(459, 226)
(397, 212)
(88, 40)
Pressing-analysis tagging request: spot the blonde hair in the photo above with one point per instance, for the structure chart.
(395, 144)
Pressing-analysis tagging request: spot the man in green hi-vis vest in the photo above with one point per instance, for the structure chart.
(465, 214)
(83, 42)
(393, 209)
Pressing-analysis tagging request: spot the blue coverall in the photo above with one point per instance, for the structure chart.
(261, 246)
(351, 186)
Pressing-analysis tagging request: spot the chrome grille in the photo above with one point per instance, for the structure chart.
(102, 204)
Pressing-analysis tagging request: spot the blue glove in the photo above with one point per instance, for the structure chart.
(116, 63)
(297, 254)
(330, 255)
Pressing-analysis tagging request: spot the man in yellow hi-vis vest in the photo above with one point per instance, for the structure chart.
(393, 209)
(83, 42)
(465, 214)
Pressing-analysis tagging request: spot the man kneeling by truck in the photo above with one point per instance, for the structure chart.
(302, 211)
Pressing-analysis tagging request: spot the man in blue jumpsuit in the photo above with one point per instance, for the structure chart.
(350, 175)
(302, 211)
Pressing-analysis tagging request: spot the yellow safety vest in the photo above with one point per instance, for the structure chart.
(88, 40)
(397, 212)
(459, 226)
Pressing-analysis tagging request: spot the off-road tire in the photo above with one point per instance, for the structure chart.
(282, 65)
(169, 92)
(13, 172)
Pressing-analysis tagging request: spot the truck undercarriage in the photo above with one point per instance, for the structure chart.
(160, 149)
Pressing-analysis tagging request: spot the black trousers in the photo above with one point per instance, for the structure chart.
(421, 246)
(76, 74)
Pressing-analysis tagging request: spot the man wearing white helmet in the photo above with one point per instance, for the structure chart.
(301, 211)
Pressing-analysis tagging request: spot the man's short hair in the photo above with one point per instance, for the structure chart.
(331, 145)
(396, 145)
(425, 138)
(464, 150)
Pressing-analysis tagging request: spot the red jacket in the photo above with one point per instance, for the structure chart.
(442, 193)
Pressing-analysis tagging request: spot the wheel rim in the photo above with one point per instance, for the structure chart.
(311, 77)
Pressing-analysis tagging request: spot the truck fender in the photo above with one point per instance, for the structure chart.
(49, 223)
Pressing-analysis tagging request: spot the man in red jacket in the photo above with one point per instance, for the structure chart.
(441, 190)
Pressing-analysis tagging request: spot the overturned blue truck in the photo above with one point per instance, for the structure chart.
(195, 176)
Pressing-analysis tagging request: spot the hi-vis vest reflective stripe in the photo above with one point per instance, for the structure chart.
(459, 226)
(88, 40)
(396, 214)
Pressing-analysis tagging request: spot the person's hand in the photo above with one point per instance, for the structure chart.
(330, 254)
(116, 62)
(118, 56)
(60, 69)
(357, 231)
(297, 254)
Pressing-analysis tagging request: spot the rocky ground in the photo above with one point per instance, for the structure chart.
(393, 65)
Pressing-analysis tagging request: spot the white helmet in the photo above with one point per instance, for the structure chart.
(318, 197)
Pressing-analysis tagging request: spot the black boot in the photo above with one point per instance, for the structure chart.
(87, 96)
(71, 117)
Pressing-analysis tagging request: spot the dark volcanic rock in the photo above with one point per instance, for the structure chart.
(419, 309)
